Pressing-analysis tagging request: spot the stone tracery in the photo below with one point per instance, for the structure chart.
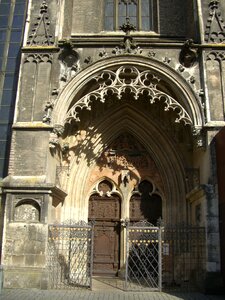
(128, 79)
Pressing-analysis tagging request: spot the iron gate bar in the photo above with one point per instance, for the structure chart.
(70, 255)
(143, 256)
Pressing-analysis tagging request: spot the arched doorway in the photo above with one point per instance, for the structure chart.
(105, 211)
(127, 124)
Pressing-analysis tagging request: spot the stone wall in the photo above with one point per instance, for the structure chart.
(25, 241)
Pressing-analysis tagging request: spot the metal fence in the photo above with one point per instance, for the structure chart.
(70, 252)
(183, 257)
(168, 258)
(144, 257)
(165, 257)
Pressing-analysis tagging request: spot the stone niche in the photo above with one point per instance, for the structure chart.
(27, 209)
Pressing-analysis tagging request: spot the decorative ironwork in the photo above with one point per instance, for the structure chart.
(123, 80)
(167, 257)
(144, 251)
(70, 253)
(183, 257)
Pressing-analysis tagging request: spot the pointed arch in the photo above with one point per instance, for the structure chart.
(171, 167)
(73, 95)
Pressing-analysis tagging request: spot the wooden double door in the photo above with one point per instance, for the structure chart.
(105, 212)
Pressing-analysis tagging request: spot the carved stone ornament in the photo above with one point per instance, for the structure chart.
(48, 112)
(125, 154)
(188, 55)
(105, 188)
(27, 211)
(215, 28)
(192, 178)
(128, 45)
(69, 59)
(120, 82)
(40, 34)
(54, 136)
(38, 58)
(199, 138)
(216, 55)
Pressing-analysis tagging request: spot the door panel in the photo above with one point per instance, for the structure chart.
(105, 211)
(106, 248)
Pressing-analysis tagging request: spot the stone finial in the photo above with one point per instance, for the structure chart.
(215, 28)
(40, 33)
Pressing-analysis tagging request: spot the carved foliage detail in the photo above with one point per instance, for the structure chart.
(128, 79)
(215, 28)
(40, 34)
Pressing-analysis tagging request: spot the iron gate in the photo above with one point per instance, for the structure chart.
(143, 258)
(70, 252)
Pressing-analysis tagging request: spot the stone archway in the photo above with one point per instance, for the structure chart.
(136, 96)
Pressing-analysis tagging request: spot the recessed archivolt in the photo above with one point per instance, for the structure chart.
(127, 79)
(101, 79)
(160, 149)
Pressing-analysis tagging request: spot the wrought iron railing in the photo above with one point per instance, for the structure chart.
(70, 248)
(144, 254)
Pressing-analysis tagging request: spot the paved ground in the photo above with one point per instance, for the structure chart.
(17, 294)
(101, 291)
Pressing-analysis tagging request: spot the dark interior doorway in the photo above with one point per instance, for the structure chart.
(145, 204)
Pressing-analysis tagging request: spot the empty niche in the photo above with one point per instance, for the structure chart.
(27, 211)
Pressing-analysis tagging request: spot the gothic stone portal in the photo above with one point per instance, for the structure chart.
(127, 173)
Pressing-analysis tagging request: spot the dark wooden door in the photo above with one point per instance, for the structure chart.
(105, 211)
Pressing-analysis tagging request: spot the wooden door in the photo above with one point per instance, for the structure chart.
(105, 211)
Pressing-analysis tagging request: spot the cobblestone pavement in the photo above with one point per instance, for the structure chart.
(33, 294)
(103, 289)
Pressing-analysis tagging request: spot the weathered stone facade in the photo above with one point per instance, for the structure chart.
(121, 106)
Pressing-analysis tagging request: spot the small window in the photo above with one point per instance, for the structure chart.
(141, 13)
